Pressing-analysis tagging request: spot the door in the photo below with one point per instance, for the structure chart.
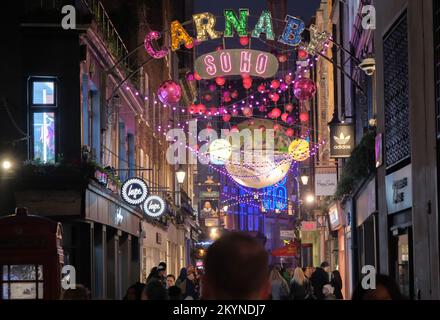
(403, 270)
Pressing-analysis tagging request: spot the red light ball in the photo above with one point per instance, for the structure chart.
(288, 107)
(276, 112)
(220, 81)
(274, 97)
(244, 41)
(289, 132)
(275, 84)
(226, 117)
(284, 117)
(304, 89)
(304, 117)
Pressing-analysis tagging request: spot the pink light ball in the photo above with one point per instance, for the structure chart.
(304, 89)
(169, 92)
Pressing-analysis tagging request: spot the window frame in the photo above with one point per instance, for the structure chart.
(43, 108)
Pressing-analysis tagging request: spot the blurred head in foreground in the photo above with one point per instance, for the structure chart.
(236, 267)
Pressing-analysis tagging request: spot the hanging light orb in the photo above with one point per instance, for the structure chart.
(244, 41)
(207, 97)
(226, 117)
(275, 84)
(201, 109)
(169, 92)
(220, 150)
(304, 116)
(190, 76)
(234, 129)
(192, 109)
(299, 149)
(247, 111)
(261, 88)
(234, 94)
(276, 113)
(302, 54)
(262, 108)
(213, 110)
(274, 97)
(289, 132)
(283, 87)
(234, 112)
(282, 58)
(284, 117)
(264, 169)
(288, 107)
(304, 89)
(220, 81)
(288, 79)
(290, 120)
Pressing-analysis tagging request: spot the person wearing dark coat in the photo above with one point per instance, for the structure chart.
(319, 279)
(336, 283)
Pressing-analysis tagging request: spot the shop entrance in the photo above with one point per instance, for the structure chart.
(402, 268)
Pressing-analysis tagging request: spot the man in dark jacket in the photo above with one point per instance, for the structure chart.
(319, 279)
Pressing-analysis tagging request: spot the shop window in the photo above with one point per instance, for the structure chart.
(24, 281)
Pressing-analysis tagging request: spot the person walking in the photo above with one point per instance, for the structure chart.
(336, 282)
(280, 288)
(319, 279)
(300, 287)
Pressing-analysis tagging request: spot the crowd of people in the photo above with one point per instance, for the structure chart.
(306, 283)
(236, 268)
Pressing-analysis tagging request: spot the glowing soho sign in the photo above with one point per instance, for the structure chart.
(236, 62)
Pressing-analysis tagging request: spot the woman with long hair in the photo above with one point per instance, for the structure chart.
(280, 288)
(300, 287)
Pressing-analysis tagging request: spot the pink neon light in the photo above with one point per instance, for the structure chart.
(210, 66)
(225, 62)
(261, 63)
(245, 61)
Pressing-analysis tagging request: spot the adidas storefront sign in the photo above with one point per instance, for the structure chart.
(341, 140)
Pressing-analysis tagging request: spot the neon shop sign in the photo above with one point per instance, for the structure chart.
(234, 24)
(236, 62)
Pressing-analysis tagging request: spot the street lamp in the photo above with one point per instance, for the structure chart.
(310, 198)
(305, 179)
(180, 175)
(6, 165)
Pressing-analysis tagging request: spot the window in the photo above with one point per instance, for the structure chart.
(23, 281)
(44, 136)
(43, 110)
(43, 93)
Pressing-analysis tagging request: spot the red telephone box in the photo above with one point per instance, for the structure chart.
(31, 257)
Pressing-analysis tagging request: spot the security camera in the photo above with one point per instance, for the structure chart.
(368, 65)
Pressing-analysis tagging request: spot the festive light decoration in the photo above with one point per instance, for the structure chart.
(317, 40)
(299, 149)
(220, 150)
(282, 58)
(244, 41)
(304, 89)
(179, 36)
(156, 54)
(289, 132)
(302, 54)
(247, 112)
(226, 117)
(197, 76)
(201, 109)
(292, 32)
(134, 191)
(275, 84)
(303, 117)
(232, 22)
(190, 76)
(244, 62)
(169, 92)
(288, 107)
(288, 79)
(263, 170)
(264, 25)
(275, 113)
(234, 94)
(284, 117)
(220, 81)
(205, 23)
(274, 97)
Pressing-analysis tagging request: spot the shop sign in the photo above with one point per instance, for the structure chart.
(308, 226)
(207, 194)
(399, 190)
(287, 234)
(154, 206)
(342, 140)
(325, 184)
(235, 62)
(134, 191)
(333, 214)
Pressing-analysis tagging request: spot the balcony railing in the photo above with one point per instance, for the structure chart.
(111, 36)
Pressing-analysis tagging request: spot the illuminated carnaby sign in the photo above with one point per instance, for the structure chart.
(236, 62)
